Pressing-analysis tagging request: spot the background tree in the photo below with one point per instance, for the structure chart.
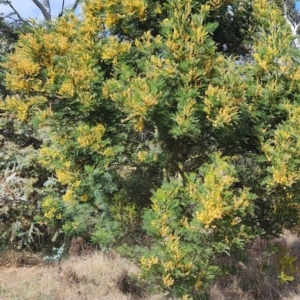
(44, 6)
(292, 17)
(20, 189)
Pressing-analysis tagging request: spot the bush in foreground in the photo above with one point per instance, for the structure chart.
(144, 120)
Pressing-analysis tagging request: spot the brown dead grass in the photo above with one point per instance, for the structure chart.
(92, 277)
(256, 278)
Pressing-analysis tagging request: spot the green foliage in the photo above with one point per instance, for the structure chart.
(56, 257)
(20, 175)
(193, 223)
(287, 266)
(23, 186)
(20, 200)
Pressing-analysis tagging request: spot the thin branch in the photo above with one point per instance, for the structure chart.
(10, 17)
(75, 4)
(43, 10)
(16, 12)
(62, 8)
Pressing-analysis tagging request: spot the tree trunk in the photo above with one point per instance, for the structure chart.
(44, 8)
(294, 27)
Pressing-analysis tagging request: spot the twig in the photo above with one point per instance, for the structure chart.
(62, 8)
(17, 13)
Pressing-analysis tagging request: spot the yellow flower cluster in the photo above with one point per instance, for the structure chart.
(112, 19)
(157, 65)
(198, 283)
(220, 106)
(90, 136)
(275, 40)
(108, 152)
(164, 230)
(67, 89)
(149, 99)
(139, 124)
(114, 49)
(217, 208)
(57, 44)
(93, 6)
(216, 3)
(65, 177)
(16, 84)
(47, 156)
(139, 98)
(92, 22)
(169, 266)
(66, 27)
(77, 183)
(282, 176)
(23, 64)
(135, 7)
(84, 198)
(117, 10)
(213, 209)
(215, 196)
(110, 88)
(168, 280)
(21, 108)
(68, 196)
(172, 244)
(50, 207)
(147, 40)
(185, 43)
(185, 112)
(147, 262)
(282, 148)
(142, 155)
(50, 214)
(48, 202)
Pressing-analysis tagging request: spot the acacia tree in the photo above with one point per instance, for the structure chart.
(139, 107)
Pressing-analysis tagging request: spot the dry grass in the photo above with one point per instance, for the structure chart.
(256, 278)
(92, 277)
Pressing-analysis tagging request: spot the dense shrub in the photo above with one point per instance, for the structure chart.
(143, 119)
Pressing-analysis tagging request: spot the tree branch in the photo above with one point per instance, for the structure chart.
(75, 4)
(16, 12)
(46, 4)
(293, 26)
(45, 12)
(62, 8)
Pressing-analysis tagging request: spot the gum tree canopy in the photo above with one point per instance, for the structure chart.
(43, 5)
(180, 114)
